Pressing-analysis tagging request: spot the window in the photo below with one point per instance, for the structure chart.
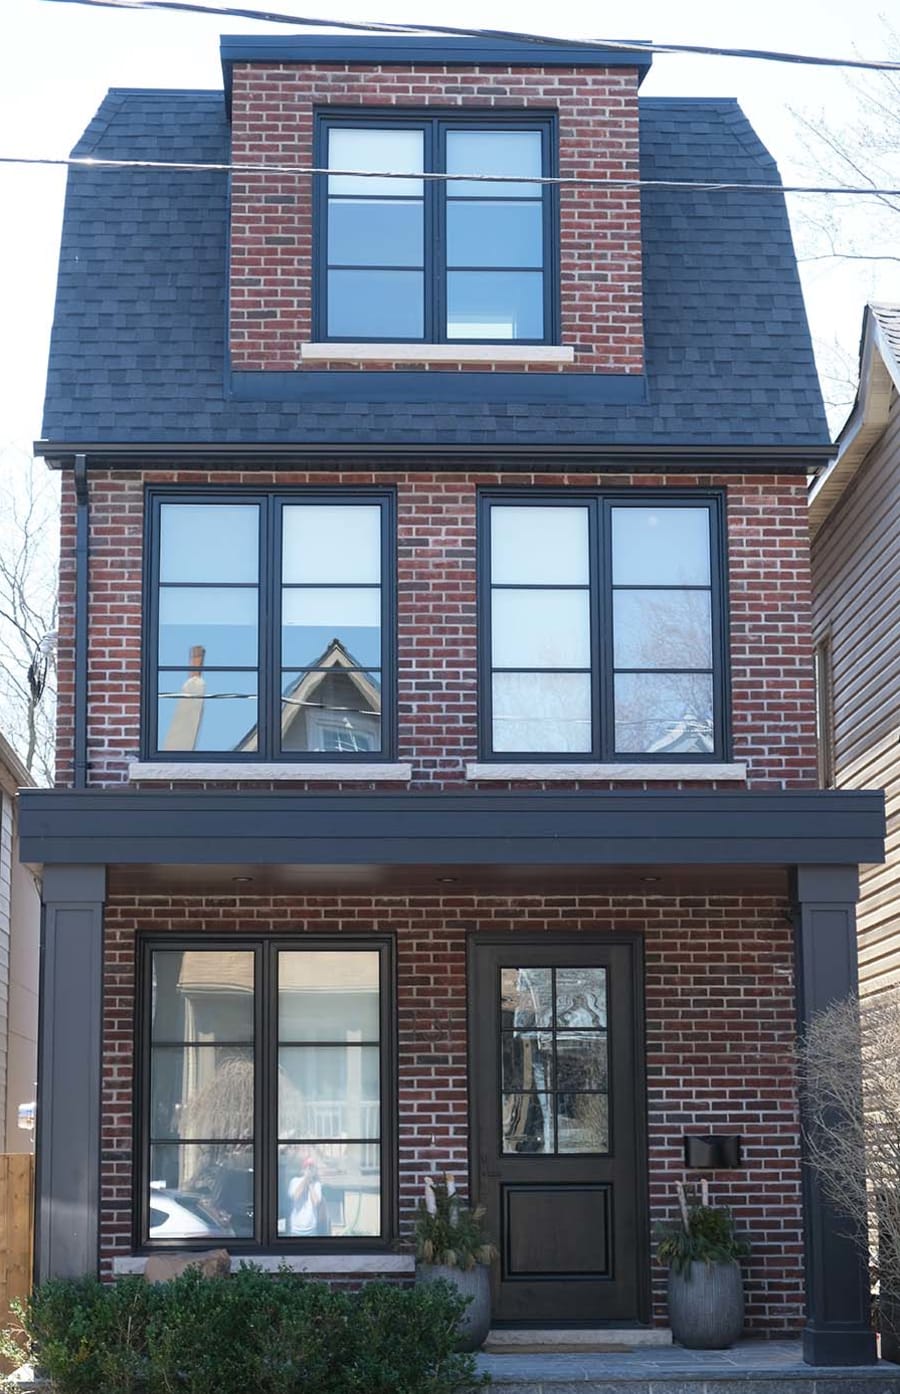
(436, 260)
(270, 626)
(824, 713)
(604, 630)
(265, 1067)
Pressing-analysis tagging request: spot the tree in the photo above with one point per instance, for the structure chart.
(28, 610)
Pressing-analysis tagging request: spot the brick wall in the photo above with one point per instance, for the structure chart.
(773, 719)
(271, 215)
(719, 1033)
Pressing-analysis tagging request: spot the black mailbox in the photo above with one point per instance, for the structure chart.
(712, 1152)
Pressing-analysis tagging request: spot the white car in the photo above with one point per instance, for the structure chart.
(178, 1215)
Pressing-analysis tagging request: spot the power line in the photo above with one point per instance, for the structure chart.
(703, 185)
(452, 31)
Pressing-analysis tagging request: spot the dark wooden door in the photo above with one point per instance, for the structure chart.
(557, 1095)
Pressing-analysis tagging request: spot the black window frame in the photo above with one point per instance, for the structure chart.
(271, 502)
(265, 948)
(436, 122)
(600, 503)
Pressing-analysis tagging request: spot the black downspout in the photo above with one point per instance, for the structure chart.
(82, 558)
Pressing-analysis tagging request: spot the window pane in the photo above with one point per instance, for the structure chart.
(493, 152)
(376, 304)
(542, 712)
(207, 711)
(331, 711)
(205, 995)
(664, 713)
(495, 234)
(392, 152)
(527, 1122)
(540, 629)
(495, 305)
(539, 546)
(328, 1092)
(198, 1191)
(324, 542)
(660, 546)
(581, 1060)
(208, 542)
(331, 627)
(210, 626)
(375, 232)
(328, 996)
(201, 1092)
(329, 1188)
(526, 998)
(662, 629)
(581, 997)
(527, 1061)
(582, 1122)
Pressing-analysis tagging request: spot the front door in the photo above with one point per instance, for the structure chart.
(557, 1090)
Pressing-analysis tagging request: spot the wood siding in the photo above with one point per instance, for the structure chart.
(856, 567)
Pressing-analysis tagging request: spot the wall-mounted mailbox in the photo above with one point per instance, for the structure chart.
(712, 1152)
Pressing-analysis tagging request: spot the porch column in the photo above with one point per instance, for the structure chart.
(68, 1099)
(838, 1328)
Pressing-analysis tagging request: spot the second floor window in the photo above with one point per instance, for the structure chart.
(439, 261)
(604, 633)
(269, 626)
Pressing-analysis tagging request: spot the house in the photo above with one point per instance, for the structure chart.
(437, 763)
(854, 513)
(20, 927)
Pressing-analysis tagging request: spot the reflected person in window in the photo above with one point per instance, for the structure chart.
(309, 1214)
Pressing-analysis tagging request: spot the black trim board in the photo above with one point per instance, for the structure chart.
(399, 385)
(221, 827)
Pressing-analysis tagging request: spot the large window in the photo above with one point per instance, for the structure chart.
(269, 626)
(603, 627)
(435, 260)
(265, 1071)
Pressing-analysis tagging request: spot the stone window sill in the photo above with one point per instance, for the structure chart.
(437, 353)
(698, 774)
(182, 771)
(343, 1263)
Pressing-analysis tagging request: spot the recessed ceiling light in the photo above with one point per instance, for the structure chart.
(242, 880)
(447, 880)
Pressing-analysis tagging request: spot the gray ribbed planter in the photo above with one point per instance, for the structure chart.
(706, 1305)
(475, 1283)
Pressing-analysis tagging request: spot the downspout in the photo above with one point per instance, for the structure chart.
(82, 560)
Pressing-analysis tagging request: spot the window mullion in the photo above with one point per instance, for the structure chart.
(603, 661)
(435, 235)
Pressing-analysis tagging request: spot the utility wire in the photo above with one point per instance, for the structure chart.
(183, 166)
(452, 31)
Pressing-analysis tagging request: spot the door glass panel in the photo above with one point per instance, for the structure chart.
(554, 1082)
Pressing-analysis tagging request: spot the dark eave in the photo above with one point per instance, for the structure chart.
(221, 827)
(738, 459)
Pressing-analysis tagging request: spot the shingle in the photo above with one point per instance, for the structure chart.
(142, 276)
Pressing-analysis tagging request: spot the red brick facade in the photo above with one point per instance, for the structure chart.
(772, 698)
(719, 1027)
(273, 108)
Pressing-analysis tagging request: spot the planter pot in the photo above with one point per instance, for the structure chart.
(889, 1328)
(706, 1305)
(475, 1283)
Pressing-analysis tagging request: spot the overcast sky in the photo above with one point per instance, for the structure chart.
(58, 60)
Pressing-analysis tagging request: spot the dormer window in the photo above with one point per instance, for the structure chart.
(424, 259)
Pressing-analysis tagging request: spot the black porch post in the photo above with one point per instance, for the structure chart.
(68, 1122)
(838, 1328)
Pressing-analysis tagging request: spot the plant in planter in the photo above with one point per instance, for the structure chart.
(451, 1247)
(706, 1290)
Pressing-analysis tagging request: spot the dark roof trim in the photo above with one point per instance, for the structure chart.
(446, 52)
(396, 386)
(219, 827)
(709, 459)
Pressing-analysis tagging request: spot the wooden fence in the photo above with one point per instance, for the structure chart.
(16, 1228)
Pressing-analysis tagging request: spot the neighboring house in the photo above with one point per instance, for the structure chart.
(20, 932)
(437, 760)
(855, 528)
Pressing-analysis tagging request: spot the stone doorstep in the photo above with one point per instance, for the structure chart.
(633, 1337)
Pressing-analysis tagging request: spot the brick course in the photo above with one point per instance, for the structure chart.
(719, 1025)
(772, 695)
(273, 107)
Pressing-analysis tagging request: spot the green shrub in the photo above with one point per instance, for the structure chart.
(248, 1334)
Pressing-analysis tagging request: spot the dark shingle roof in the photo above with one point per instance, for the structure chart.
(138, 347)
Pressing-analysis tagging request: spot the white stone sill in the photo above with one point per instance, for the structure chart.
(343, 1263)
(437, 353)
(624, 773)
(184, 771)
